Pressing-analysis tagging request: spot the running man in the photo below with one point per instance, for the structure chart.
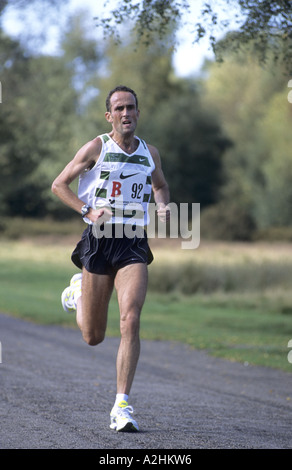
(117, 172)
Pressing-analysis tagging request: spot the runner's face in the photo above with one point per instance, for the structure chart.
(123, 114)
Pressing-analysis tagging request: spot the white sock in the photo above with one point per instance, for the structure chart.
(121, 397)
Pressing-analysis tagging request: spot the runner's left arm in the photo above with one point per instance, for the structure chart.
(160, 186)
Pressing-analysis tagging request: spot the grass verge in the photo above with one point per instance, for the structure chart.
(249, 325)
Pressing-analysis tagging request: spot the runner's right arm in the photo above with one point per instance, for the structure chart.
(84, 159)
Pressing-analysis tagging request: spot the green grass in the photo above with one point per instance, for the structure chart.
(235, 332)
(250, 327)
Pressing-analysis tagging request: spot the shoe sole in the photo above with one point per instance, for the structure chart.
(129, 427)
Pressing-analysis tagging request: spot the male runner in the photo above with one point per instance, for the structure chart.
(117, 172)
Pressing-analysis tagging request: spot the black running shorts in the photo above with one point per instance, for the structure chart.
(103, 255)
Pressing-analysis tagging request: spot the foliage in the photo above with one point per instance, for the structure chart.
(267, 24)
(40, 110)
(153, 18)
(192, 144)
(37, 95)
(224, 139)
(54, 104)
(264, 26)
(256, 116)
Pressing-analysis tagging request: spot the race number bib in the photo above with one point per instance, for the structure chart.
(130, 187)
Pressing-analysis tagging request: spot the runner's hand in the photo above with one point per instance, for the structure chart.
(99, 216)
(163, 212)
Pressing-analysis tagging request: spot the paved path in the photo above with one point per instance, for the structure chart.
(56, 393)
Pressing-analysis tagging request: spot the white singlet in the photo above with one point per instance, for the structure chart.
(120, 182)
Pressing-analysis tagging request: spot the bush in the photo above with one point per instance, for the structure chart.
(198, 277)
(227, 222)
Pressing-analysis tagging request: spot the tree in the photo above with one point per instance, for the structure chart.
(192, 145)
(251, 103)
(43, 101)
(36, 127)
(267, 24)
(273, 198)
(48, 112)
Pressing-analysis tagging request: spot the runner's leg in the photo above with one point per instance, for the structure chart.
(131, 286)
(92, 306)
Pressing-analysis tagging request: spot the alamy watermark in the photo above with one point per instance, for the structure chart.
(289, 357)
(290, 92)
(128, 221)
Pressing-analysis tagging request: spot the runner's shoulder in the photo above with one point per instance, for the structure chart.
(154, 153)
(91, 150)
(94, 146)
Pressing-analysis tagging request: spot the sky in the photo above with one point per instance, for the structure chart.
(187, 60)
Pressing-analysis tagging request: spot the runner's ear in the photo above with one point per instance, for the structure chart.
(108, 116)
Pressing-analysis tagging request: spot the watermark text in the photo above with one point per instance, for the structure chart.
(290, 92)
(129, 220)
(289, 357)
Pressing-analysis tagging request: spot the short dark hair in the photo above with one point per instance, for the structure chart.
(119, 88)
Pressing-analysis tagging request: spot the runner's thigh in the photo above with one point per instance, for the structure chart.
(131, 285)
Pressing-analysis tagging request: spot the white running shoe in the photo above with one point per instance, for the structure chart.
(121, 419)
(71, 294)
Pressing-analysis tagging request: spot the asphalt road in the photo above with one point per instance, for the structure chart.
(56, 393)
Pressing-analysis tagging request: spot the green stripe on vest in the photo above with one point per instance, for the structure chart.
(122, 158)
(105, 138)
(100, 192)
(104, 175)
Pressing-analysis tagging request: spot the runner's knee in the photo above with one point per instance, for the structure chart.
(130, 322)
(92, 338)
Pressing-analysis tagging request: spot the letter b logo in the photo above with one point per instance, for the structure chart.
(116, 191)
